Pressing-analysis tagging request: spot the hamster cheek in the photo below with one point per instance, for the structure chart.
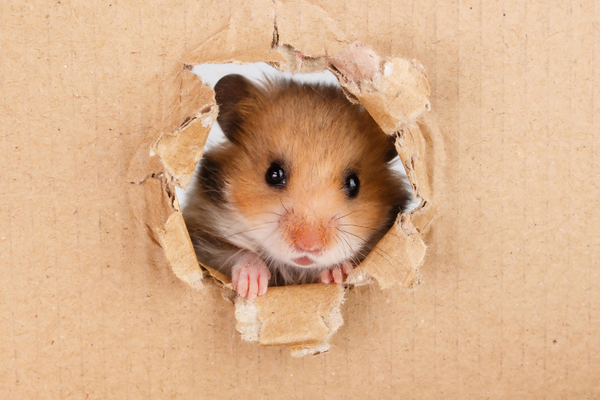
(250, 276)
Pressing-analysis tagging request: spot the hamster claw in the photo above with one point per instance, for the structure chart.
(337, 274)
(250, 277)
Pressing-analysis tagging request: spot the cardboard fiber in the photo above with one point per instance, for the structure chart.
(508, 301)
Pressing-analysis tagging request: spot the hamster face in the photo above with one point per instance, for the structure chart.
(304, 179)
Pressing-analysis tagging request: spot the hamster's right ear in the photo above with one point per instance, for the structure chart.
(231, 93)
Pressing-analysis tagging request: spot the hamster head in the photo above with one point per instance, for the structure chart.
(304, 177)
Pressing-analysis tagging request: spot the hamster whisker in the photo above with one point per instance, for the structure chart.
(240, 218)
(319, 93)
(283, 205)
(262, 212)
(344, 241)
(344, 216)
(264, 244)
(355, 257)
(361, 226)
(345, 247)
(257, 227)
(234, 255)
(383, 254)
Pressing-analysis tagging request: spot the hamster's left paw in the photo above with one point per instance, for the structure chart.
(337, 274)
(250, 276)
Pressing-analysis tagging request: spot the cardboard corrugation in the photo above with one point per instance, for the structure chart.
(508, 304)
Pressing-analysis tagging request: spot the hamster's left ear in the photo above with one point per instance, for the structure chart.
(235, 96)
(391, 152)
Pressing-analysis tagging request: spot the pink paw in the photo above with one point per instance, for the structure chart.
(337, 274)
(250, 276)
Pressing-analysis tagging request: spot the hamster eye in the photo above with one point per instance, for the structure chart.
(275, 175)
(352, 185)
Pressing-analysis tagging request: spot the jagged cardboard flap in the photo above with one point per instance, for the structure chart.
(283, 316)
(397, 257)
(179, 133)
(287, 316)
(394, 91)
(416, 145)
(179, 250)
(180, 147)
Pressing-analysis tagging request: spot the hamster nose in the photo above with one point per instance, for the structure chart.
(309, 239)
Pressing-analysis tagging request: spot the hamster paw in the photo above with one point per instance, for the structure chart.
(337, 274)
(250, 276)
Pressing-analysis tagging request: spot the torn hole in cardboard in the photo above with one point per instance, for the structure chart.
(394, 91)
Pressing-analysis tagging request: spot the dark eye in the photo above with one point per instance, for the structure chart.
(352, 185)
(275, 175)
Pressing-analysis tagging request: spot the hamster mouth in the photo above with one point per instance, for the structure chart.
(303, 261)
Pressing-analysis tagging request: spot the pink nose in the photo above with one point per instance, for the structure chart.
(309, 239)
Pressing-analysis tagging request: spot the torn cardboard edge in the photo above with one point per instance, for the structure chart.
(394, 91)
(288, 317)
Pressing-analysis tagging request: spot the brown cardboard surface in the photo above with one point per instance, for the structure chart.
(508, 306)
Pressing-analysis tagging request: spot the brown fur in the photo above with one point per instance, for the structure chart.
(319, 137)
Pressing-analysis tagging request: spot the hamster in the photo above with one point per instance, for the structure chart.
(300, 192)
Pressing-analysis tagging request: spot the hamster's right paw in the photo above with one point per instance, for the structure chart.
(337, 274)
(250, 276)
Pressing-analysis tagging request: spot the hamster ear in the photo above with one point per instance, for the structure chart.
(230, 91)
(391, 152)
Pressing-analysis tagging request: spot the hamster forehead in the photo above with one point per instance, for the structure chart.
(316, 131)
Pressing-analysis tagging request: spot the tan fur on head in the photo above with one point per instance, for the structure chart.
(319, 138)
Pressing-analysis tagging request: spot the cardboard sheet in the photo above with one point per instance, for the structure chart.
(508, 304)
(368, 78)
